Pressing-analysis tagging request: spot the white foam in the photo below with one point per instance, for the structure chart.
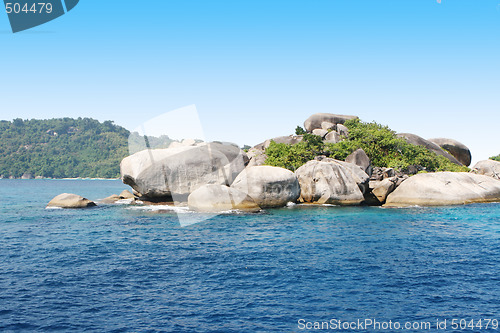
(53, 208)
(156, 208)
(124, 201)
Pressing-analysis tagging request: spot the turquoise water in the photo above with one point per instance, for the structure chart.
(119, 269)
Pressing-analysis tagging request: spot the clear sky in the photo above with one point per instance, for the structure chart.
(257, 69)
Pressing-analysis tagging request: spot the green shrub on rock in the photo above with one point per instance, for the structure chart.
(495, 158)
(379, 142)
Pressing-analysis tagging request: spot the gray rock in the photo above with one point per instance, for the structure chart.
(316, 119)
(173, 173)
(326, 125)
(342, 130)
(257, 157)
(288, 139)
(269, 186)
(114, 198)
(360, 177)
(328, 183)
(320, 132)
(67, 200)
(381, 189)
(111, 199)
(455, 148)
(126, 195)
(360, 158)
(332, 137)
(488, 168)
(445, 188)
(419, 141)
(216, 198)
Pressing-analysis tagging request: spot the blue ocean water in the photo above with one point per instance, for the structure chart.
(118, 269)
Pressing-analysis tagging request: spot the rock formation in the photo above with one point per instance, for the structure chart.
(67, 200)
(268, 186)
(445, 188)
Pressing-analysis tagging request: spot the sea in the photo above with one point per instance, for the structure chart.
(302, 268)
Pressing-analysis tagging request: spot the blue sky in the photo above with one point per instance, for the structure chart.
(257, 69)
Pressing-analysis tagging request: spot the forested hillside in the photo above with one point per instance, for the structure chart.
(62, 148)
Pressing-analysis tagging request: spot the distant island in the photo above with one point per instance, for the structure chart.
(61, 148)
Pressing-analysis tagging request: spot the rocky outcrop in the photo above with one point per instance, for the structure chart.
(381, 189)
(257, 157)
(362, 160)
(328, 183)
(288, 139)
(342, 130)
(174, 173)
(488, 168)
(67, 200)
(445, 188)
(455, 148)
(315, 121)
(332, 137)
(125, 195)
(326, 125)
(419, 141)
(320, 132)
(257, 154)
(359, 176)
(216, 198)
(268, 186)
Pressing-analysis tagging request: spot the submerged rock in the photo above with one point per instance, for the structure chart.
(488, 168)
(268, 186)
(328, 183)
(67, 200)
(216, 198)
(445, 188)
(125, 195)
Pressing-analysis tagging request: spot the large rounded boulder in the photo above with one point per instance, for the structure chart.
(268, 186)
(68, 200)
(445, 188)
(488, 168)
(362, 160)
(216, 198)
(419, 141)
(328, 183)
(455, 148)
(315, 121)
(174, 173)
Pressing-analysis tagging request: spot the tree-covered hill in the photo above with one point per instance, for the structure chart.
(62, 148)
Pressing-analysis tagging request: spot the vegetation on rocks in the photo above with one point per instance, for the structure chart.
(379, 142)
(495, 158)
